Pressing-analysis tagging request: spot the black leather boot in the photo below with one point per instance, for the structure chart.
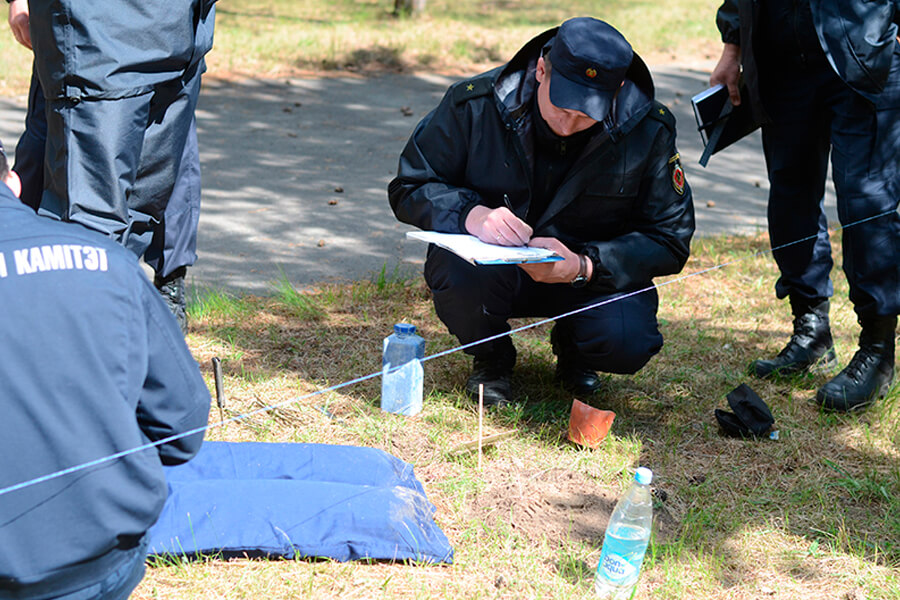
(810, 347)
(494, 372)
(575, 377)
(870, 372)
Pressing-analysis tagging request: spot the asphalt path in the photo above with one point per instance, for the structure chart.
(295, 173)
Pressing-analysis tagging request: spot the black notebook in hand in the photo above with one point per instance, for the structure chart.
(720, 122)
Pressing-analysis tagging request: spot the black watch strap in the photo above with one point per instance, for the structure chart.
(581, 279)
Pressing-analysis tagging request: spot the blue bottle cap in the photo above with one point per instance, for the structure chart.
(405, 328)
(643, 476)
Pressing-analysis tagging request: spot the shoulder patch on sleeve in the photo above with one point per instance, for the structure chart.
(472, 88)
(677, 174)
(661, 113)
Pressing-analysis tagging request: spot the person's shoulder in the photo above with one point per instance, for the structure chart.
(474, 87)
(661, 113)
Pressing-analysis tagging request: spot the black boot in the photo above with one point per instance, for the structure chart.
(494, 372)
(574, 376)
(171, 288)
(810, 347)
(870, 372)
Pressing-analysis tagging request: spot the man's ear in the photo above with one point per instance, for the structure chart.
(13, 182)
(541, 70)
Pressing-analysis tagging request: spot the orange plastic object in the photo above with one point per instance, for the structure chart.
(588, 425)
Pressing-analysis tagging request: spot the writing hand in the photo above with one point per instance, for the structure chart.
(498, 226)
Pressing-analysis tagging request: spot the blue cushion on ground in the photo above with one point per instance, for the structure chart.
(297, 501)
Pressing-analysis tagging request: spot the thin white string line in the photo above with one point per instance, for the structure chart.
(243, 416)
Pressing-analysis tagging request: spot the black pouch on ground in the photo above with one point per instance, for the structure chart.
(751, 416)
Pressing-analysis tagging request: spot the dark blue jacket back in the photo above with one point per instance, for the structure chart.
(92, 363)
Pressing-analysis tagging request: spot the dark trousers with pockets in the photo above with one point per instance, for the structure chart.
(128, 167)
(618, 335)
(174, 238)
(813, 113)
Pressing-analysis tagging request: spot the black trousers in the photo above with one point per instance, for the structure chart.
(476, 302)
(813, 113)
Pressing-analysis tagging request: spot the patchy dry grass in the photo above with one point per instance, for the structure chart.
(814, 515)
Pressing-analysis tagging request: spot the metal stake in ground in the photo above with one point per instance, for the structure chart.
(220, 392)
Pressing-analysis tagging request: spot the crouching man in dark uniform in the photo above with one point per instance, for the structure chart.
(92, 364)
(564, 147)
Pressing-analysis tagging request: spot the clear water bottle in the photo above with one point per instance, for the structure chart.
(401, 371)
(627, 536)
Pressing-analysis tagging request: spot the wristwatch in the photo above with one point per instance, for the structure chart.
(581, 279)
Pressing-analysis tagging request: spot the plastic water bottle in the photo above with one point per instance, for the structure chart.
(627, 536)
(401, 389)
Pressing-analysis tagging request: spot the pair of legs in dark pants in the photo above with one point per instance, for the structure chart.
(174, 238)
(813, 112)
(476, 302)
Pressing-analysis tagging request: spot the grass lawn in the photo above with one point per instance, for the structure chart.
(813, 515)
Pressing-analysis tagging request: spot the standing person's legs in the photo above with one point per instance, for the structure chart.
(91, 162)
(866, 171)
(174, 243)
(168, 130)
(173, 247)
(796, 145)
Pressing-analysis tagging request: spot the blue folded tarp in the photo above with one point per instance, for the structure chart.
(297, 501)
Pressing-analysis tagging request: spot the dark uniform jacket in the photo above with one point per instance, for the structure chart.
(92, 363)
(624, 202)
(859, 38)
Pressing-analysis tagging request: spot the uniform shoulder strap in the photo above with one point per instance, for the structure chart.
(465, 90)
(661, 113)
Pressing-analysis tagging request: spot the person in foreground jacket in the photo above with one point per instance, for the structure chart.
(825, 76)
(92, 364)
(564, 147)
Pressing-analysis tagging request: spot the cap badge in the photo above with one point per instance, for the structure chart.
(590, 72)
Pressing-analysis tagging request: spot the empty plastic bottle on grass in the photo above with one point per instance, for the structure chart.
(401, 388)
(627, 536)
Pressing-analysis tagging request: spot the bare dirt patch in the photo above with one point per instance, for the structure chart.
(553, 504)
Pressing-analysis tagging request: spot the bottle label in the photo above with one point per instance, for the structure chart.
(622, 555)
(617, 568)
